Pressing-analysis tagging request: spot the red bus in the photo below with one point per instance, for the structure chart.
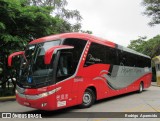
(70, 69)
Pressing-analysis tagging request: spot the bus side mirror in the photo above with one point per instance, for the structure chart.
(12, 55)
(52, 50)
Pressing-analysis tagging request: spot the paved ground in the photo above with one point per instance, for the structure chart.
(148, 101)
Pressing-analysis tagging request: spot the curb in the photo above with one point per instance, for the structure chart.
(8, 98)
(155, 85)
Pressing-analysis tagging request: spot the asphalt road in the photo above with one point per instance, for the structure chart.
(147, 101)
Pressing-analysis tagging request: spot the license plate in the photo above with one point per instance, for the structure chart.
(26, 103)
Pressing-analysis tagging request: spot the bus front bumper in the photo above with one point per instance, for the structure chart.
(45, 102)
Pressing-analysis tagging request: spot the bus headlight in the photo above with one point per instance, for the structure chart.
(45, 94)
(16, 91)
(35, 97)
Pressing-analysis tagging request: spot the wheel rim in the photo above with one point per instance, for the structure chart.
(87, 98)
(141, 88)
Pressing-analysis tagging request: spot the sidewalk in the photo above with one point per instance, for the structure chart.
(154, 84)
(7, 98)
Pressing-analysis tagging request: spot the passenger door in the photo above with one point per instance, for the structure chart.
(63, 79)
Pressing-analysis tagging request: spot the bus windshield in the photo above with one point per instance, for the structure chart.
(33, 71)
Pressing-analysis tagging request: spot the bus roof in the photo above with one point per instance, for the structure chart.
(86, 37)
(131, 51)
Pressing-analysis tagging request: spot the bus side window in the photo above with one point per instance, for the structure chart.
(79, 45)
(96, 55)
(65, 66)
(111, 56)
(120, 57)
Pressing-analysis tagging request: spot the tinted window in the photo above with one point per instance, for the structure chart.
(96, 55)
(78, 49)
(39, 67)
(111, 55)
(127, 59)
(133, 60)
(100, 54)
(148, 63)
(69, 59)
(65, 65)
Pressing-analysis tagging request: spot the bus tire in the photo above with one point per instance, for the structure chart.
(140, 87)
(88, 98)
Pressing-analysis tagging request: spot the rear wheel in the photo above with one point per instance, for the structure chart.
(140, 87)
(88, 98)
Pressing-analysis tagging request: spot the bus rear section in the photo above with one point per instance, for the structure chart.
(115, 70)
(77, 69)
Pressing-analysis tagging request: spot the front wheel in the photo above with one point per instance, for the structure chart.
(88, 98)
(140, 87)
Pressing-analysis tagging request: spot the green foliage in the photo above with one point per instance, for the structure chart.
(152, 10)
(137, 44)
(2, 26)
(24, 20)
(149, 47)
(21, 23)
(87, 31)
(60, 11)
(59, 8)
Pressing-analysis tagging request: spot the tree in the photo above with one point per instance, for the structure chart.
(20, 23)
(152, 10)
(61, 11)
(137, 44)
(149, 47)
(155, 46)
(24, 20)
